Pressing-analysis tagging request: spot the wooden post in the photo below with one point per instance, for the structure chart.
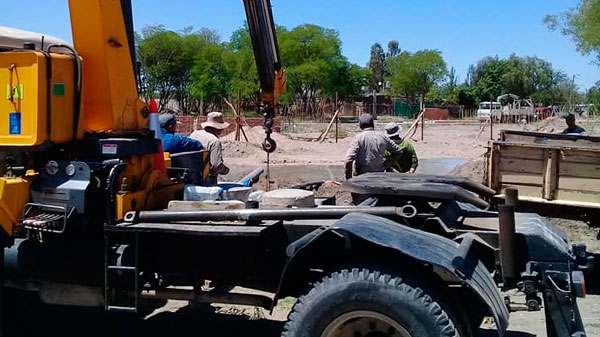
(238, 120)
(422, 117)
(337, 118)
(491, 127)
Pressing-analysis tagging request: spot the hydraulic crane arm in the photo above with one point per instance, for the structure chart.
(268, 62)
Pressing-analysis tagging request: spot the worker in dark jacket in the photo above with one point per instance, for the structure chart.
(572, 128)
(173, 143)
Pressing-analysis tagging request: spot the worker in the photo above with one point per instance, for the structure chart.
(209, 136)
(173, 143)
(572, 128)
(368, 148)
(409, 161)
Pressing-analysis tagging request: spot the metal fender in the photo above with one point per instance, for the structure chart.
(458, 259)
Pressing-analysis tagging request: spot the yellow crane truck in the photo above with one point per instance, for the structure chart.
(84, 221)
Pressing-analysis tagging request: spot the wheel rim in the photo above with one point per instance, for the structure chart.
(364, 324)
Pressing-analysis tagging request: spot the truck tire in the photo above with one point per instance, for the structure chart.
(370, 304)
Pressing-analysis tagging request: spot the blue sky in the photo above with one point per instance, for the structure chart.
(464, 30)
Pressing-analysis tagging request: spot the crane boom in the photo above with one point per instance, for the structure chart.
(268, 62)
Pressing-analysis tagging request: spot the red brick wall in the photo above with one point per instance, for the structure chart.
(436, 114)
(187, 124)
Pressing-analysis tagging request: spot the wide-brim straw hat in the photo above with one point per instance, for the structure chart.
(215, 120)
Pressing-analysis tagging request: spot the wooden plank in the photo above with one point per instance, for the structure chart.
(547, 203)
(546, 146)
(521, 178)
(550, 174)
(579, 196)
(526, 191)
(521, 152)
(552, 139)
(580, 170)
(521, 166)
(579, 184)
(576, 156)
(493, 158)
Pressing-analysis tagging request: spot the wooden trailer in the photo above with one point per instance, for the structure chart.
(556, 175)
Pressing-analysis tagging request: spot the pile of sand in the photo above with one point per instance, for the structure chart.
(548, 125)
(473, 169)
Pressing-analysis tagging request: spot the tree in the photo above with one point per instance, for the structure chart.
(593, 95)
(487, 78)
(210, 76)
(316, 67)
(167, 59)
(377, 66)
(416, 74)
(582, 24)
(393, 48)
(161, 54)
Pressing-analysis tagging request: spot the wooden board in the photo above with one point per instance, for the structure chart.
(584, 157)
(582, 170)
(521, 166)
(582, 196)
(521, 178)
(551, 139)
(519, 152)
(551, 161)
(526, 191)
(579, 184)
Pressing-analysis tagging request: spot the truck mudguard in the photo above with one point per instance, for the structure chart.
(418, 245)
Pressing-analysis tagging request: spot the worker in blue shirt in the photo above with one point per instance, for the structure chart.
(173, 143)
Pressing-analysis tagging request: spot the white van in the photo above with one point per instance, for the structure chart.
(486, 108)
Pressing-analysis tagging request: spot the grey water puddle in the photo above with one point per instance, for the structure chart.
(309, 172)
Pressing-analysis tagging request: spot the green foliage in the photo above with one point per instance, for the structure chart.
(582, 24)
(315, 65)
(377, 65)
(527, 77)
(593, 95)
(211, 77)
(192, 66)
(413, 75)
(167, 59)
(393, 48)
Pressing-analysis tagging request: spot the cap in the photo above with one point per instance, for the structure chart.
(393, 129)
(365, 119)
(166, 119)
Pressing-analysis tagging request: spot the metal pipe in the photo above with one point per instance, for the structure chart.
(208, 297)
(264, 214)
(506, 215)
(252, 177)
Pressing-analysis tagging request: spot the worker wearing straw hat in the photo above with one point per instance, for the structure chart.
(209, 136)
